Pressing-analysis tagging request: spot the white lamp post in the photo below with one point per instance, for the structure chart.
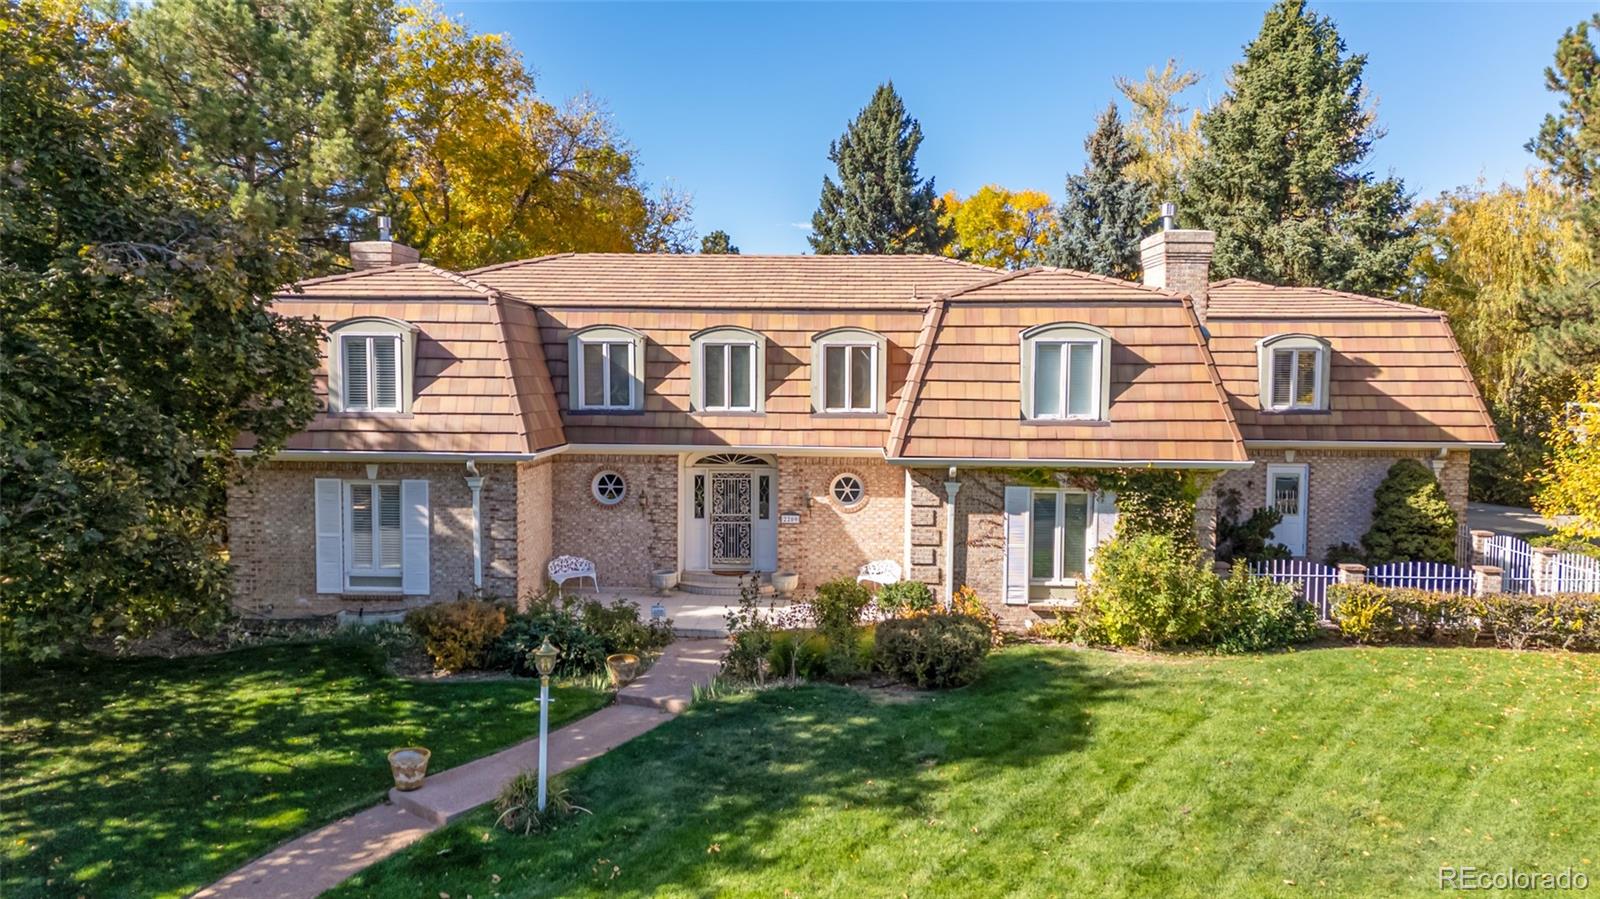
(544, 659)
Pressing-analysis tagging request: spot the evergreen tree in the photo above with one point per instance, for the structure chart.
(1569, 141)
(880, 204)
(281, 104)
(1281, 181)
(718, 243)
(1104, 209)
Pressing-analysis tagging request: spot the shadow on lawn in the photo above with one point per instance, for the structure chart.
(729, 774)
(110, 765)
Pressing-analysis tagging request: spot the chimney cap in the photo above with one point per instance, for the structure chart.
(384, 224)
(1169, 216)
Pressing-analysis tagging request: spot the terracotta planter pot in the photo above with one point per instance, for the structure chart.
(784, 582)
(410, 767)
(622, 667)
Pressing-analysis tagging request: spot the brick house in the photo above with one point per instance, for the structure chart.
(713, 414)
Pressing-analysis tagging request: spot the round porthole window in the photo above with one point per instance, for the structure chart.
(609, 488)
(848, 490)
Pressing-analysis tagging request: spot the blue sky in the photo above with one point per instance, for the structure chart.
(735, 103)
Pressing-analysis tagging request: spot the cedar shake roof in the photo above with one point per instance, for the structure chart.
(481, 384)
(1166, 402)
(1397, 374)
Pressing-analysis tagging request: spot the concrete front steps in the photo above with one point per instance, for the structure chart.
(709, 583)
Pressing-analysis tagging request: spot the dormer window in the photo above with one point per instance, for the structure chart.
(606, 369)
(1066, 373)
(848, 371)
(369, 369)
(728, 372)
(1294, 373)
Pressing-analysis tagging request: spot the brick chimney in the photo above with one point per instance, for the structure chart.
(1179, 260)
(380, 253)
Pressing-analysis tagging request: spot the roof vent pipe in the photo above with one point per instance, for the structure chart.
(1169, 216)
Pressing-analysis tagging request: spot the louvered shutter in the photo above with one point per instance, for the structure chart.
(356, 387)
(329, 514)
(1105, 523)
(415, 523)
(386, 374)
(1016, 570)
(1282, 377)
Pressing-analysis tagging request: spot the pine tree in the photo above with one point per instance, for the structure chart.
(1569, 142)
(880, 204)
(718, 243)
(1281, 181)
(1101, 217)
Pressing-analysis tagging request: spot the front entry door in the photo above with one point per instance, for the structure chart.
(731, 519)
(1286, 492)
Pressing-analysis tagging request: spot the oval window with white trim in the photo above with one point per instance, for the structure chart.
(609, 488)
(848, 490)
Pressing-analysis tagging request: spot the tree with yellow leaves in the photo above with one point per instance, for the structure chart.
(1164, 133)
(999, 227)
(489, 171)
(1569, 483)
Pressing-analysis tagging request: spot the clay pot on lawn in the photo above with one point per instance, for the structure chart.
(622, 667)
(410, 767)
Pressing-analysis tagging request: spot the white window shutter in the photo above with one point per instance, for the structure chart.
(1016, 571)
(1105, 524)
(415, 523)
(329, 506)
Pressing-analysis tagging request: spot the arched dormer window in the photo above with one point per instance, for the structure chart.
(1066, 373)
(728, 371)
(849, 371)
(1293, 370)
(605, 370)
(371, 363)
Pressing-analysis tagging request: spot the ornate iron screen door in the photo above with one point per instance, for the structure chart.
(730, 519)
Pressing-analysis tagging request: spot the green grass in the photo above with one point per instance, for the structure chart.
(154, 777)
(1063, 772)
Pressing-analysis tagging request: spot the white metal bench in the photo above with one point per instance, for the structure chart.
(882, 571)
(565, 568)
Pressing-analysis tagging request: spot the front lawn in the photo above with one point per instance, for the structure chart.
(1062, 772)
(154, 777)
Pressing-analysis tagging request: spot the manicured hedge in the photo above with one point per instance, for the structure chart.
(1368, 613)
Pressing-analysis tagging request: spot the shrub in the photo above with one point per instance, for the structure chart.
(518, 804)
(1250, 539)
(620, 627)
(1363, 613)
(1340, 553)
(934, 651)
(585, 630)
(967, 602)
(1564, 621)
(1368, 613)
(1149, 591)
(400, 646)
(836, 611)
(458, 635)
(1411, 521)
(1256, 613)
(752, 636)
(905, 598)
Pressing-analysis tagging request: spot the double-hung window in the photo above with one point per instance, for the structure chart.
(728, 377)
(372, 537)
(1058, 542)
(851, 378)
(1294, 372)
(371, 372)
(1065, 379)
(606, 374)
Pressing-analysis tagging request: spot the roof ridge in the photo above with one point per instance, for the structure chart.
(1053, 270)
(927, 335)
(502, 339)
(496, 266)
(354, 273)
(1346, 294)
(1202, 338)
(459, 278)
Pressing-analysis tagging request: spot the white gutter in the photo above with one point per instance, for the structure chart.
(1068, 463)
(622, 449)
(388, 456)
(1376, 444)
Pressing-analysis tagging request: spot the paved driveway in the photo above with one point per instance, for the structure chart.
(1506, 519)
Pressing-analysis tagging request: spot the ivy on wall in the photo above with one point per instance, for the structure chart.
(1149, 500)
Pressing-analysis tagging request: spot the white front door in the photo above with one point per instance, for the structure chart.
(1286, 492)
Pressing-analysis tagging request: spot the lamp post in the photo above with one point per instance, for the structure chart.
(544, 659)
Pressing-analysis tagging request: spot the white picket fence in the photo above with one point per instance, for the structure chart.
(1572, 573)
(1437, 577)
(1514, 558)
(1311, 578)
(1562, 573)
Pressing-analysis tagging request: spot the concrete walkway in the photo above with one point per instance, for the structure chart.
(305, 867)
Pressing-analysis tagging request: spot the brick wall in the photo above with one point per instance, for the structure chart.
(625, 541)
(272, 543)
(534, 532)
(833, 541)
(1339, 492)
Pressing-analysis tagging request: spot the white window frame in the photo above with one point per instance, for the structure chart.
(608, 346)
(370, 338)
(1090, 535)
(1267, 352)
(833, 490)
(872, 396)
(1066, 380)
(350, 569)
(725, 347)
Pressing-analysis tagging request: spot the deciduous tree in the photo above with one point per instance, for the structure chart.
(999, 227)
(1165, 134)
(1569, 483)
(1104, 208)
(880, 204)
(1282, 182)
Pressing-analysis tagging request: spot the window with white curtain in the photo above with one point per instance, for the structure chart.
(372, 538)
(606, 374)
(728, 377)
(371, 370)
(1058, 546)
